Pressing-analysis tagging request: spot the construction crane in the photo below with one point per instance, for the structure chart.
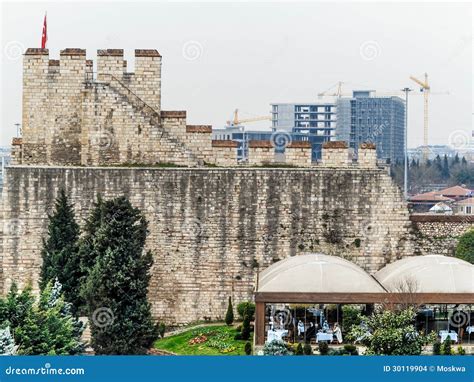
(236, 121)
(425, 89)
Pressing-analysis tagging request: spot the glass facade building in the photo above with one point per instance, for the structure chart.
(314, 121)
(366, 118)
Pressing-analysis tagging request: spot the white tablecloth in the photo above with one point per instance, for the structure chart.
(323, 337)
(470, 329)
(273, 335)
(444, 334)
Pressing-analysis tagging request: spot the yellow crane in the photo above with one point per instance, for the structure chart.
(425, 88)
(236, 121)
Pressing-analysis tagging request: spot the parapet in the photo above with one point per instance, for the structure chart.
(335, 154)
(260, 145)
(224, 143)
(198, 129)
(367, 155)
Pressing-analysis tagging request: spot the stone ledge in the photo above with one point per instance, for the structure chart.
(110, 52)
(428, 218)
(37, 52)
(73, 52)
(335, 145)
(199, 129)
(17, 141)
(299, 145)
(173, 114)
(53, 62)
(147, 53)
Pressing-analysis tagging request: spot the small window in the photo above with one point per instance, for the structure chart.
(469, 210)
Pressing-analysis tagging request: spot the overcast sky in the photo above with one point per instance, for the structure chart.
(218, 57)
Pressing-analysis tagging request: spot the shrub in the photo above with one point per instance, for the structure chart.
(49, 327)
(446, 348)
(276, 347)
(299, 349)
(7, 343)
(161, 329)
(248, 348)
(239, 328)
(246, 328)
(246, 305)
(238, 337)
(437, 348)
(350, 317)
(465, 247)
(393, 333)
(229, 316)
(351, 349)
(307, 350)
(461, 351)
(323, 347)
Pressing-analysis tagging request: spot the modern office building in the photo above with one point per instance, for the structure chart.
(367, 118)
(357, 119)
(315, 121)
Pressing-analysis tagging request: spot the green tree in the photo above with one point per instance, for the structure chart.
(246, 325)
(445, 169)
(350, 317)
(393, 333)
(16, 307)
(59, 252)
(229, 316)
(246, 305)
(465, 247)
(7, 343)
(116, 287)
(49, 327)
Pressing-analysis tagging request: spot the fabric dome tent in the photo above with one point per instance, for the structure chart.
(317, 273)
(428, 274)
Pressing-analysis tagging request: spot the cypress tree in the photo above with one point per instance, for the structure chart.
(60, 250)
(445, 169)
(115, 289)
(229, 316)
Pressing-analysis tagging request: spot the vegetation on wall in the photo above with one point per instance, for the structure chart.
(465, 247)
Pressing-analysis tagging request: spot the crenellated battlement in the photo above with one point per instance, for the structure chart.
(75, 116)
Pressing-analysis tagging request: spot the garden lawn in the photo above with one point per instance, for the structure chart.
(208, 340)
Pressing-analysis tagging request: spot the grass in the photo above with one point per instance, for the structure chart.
(219, 341)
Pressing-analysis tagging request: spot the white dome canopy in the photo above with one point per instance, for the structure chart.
(428, 274)
(317, 273)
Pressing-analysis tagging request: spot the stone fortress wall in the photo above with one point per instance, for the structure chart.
(211, 228)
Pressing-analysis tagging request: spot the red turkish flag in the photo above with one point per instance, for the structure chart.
(44, 36)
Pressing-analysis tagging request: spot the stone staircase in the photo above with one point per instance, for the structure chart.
(185, 155)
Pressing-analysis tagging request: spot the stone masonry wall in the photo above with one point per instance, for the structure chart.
(439, 234)
(212, 229)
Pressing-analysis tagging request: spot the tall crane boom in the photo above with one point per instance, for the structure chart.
(236, 121)
(425, 88)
